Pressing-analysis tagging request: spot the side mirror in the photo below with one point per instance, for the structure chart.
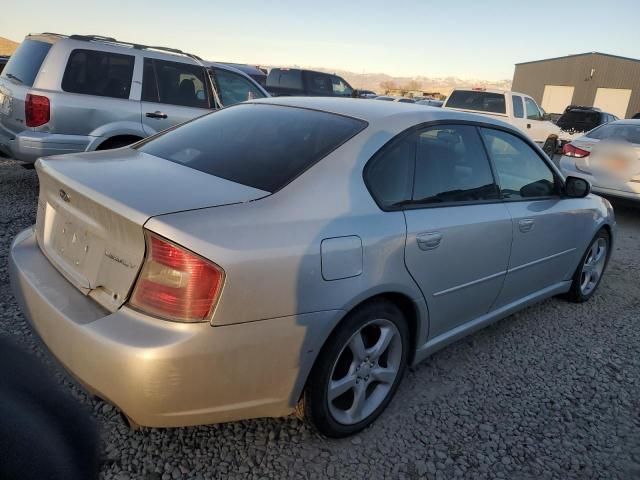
(575, 187)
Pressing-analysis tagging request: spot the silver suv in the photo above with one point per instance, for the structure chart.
(64, 94)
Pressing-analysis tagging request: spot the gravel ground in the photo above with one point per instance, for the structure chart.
(551, 392)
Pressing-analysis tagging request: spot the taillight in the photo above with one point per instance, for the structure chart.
(571, 150)
(176, 284)
(37, 110)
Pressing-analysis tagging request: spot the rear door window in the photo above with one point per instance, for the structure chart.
(285, 79)
(25, 63)
(181, 84)
(93, 72)
(319, 83)
(262, 146)
(617, 131)
(518, 111)
(234, 88)
(478, 101)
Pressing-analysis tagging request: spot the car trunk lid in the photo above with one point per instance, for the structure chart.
(92, 208)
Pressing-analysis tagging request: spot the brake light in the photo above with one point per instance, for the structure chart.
(176, 284)
(571, 150)
(37, 110)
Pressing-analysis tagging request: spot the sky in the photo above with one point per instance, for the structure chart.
(465, 39)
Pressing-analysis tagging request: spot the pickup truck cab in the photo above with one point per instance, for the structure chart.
(518, 109)
(306, 83)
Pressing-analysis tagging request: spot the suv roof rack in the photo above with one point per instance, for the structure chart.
(113, 41)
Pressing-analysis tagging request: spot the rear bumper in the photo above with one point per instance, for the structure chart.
(28, 146)
(161, 373)
(631, 189)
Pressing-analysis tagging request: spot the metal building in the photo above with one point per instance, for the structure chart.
(608, 82)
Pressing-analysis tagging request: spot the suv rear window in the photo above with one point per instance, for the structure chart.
(24, 64)
(262, 146)
(104, 74)
(579, 120)
(285, 79)
(478, 101)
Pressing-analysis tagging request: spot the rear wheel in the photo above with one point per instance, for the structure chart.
(592, 266)
(550, 146)
(358, 371)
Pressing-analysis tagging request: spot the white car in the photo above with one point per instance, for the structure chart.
(518, 109)
(609, 157)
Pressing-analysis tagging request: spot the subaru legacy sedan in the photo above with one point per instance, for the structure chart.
(295, 254)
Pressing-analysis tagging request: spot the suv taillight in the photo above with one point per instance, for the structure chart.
(570, 150)
(176, 284)
(37, 110)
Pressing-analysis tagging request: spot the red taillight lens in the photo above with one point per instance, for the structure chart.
(176, 284)
(571, 150)
(37, 110)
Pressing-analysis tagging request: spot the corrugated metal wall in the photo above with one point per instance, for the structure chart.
(610, 72)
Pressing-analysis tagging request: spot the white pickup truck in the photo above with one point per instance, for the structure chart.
(518, 109)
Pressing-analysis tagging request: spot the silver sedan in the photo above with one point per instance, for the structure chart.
(296, 252)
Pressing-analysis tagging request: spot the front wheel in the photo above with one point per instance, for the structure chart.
(358, 371)
(592, 266)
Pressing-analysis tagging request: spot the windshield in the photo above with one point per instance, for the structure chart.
(477, 100)
(262, 146)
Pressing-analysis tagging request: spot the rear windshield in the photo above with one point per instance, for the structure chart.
(24, 64)
(581, 121)
(617, 131)
(285, 79)
(262, 146)
(477, 101)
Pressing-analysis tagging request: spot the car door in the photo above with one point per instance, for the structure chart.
(535, 126)
(172, 93)
(458, 231)
(546, 227)
(517, 110)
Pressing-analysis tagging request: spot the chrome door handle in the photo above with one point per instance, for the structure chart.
(429, 240)
(526, 225)
(156, 115)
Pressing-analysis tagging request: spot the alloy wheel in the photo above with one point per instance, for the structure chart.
(593, 266)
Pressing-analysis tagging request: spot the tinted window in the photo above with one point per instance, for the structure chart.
(518, 111)
(285, 79)
(477, 100)
(319, 83)
(390, 175)
(340, 87)
(532, 109)
(92, 72)
(263, 146)
(234, 88)
(24, 64)
(406, 100)
(521, 172)
(617, 131)
(451, 166)
(181, 84)
(149, 82)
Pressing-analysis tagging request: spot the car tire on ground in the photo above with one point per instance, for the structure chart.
(358, 370)
(550, 146)
(591, 268)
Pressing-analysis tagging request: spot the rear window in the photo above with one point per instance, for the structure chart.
(477, 101)
(98, 73)
(579, 120)
(24, 64)
(285, 79)
(617, 131)
(262, 146)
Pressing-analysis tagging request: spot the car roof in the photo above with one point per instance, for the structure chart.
(628, 121)
(375, 111)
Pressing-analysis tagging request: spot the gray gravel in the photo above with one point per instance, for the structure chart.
(551, 392)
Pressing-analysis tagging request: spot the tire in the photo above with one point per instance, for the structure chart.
(372, 376)
(550, 146)
(581, 289)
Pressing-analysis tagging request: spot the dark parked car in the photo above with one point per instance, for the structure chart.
(3, 61)
(577, 119)
(306, 83)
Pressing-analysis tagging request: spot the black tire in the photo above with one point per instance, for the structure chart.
(314, 404)
(550, 146)
(575, 294)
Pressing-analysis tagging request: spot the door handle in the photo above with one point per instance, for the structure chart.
(429, 240)
(156, 115)
(528, 125)
(526, 224)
